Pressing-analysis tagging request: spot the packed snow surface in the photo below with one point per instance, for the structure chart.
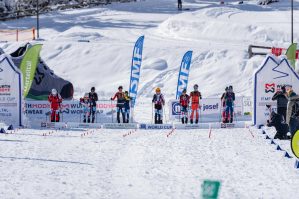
(144, 164)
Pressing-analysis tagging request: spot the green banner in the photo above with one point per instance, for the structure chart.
(295, 144)
(28, 66)
(291, 54)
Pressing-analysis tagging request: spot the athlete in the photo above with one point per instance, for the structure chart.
(229, 99)
(55, 101)
(93, 98)
(159, 102)
(86, 104)
(184, 102)
(195, 97)
(120, 96)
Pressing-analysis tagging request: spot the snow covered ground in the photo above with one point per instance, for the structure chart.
(145, 164)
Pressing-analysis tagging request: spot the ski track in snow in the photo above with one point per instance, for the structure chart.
(144, 164)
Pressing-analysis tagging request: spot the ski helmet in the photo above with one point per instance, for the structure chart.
(184, 91)
(158, 90)
(54, 91)
(195, 87)
(226, 88)
(120, 87)
(92, 89)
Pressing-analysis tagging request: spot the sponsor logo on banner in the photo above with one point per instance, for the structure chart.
(47, 125)
(142, 126)
(158, 126)
(176, 108)
(188, 126)
(207, 107)
(270, 88)
(227, 125)
(5, 90)
(120, 126)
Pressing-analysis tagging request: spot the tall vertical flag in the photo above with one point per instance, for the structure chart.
(28, 66)
(135, 69)
(291, 54)
(184, 74)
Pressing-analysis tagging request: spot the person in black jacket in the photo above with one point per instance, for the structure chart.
(93, 97)
(294, 119)
(281, 127)
(180, 6)
(282, 101)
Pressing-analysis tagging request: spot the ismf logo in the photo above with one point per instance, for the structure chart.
(4, 89)
(270, 88)
(176, 108)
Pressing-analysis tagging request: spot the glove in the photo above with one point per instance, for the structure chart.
(111, 98)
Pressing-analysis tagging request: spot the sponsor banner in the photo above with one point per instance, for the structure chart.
(268, 79)
(135, 69)
(71, 111)
(67, 125)
(120, 126)
(211, 109)
(238, 124)
(155, 126)
(29, 65)
(10, 92)
(184, 74)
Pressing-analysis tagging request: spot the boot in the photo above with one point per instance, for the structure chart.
(191, 121)
(118, 119)
(84, 121)
(160, 121)
(156, 118)
(196, 121)
(231, 120)
(183, 121)
(186, 120)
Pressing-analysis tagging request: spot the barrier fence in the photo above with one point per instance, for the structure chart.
(17, 35)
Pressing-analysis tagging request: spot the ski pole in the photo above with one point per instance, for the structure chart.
(200, 116)
(111, 111)
(164, 116)
(152, 113)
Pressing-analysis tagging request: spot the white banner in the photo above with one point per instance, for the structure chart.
(211, 109)
(269, 78)
(10, 92)
(72, 111)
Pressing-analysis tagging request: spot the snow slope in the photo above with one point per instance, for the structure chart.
(219, 35)
(145, 164)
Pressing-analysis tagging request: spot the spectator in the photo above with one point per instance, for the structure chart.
(293, 111)
(282, 102)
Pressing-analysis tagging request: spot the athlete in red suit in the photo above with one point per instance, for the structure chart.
(55, 100)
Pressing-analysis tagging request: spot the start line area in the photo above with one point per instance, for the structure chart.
(144, 126)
